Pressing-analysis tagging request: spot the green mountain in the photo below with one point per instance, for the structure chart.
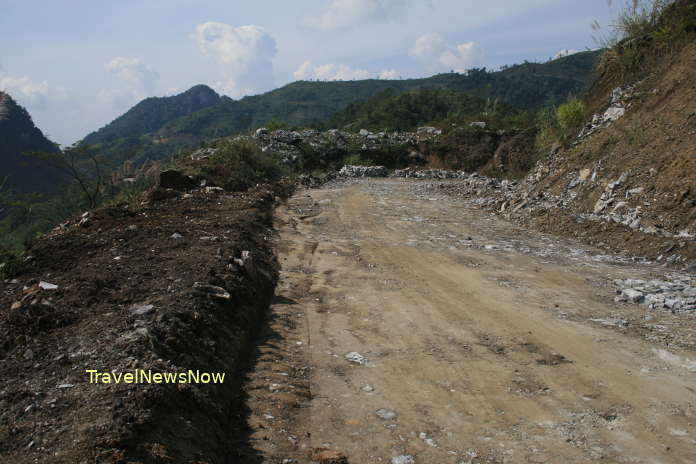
(152, 113)
(148, 132)
(19, 135)
(391, 111)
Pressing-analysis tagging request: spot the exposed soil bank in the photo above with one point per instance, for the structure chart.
(169, 286)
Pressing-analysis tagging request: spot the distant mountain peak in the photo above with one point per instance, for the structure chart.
(152, 113)
(200, 88)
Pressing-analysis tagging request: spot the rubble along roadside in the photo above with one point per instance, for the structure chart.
(175, 283)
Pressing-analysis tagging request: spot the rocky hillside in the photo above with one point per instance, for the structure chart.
(627, 181)
(631, 172)
(19, 135)
(471, 148)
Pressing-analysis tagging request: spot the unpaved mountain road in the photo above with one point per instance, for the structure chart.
(474, 332)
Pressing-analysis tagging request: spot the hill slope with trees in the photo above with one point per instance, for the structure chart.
(19, 135)
(304, 103)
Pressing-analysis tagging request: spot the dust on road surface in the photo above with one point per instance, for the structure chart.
(469, 340)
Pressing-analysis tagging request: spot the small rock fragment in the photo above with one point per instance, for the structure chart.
(403, 459)
(211, 291)
(355, 357)
(47, 286)
(141, 310)
(386, 414)
(634, 296)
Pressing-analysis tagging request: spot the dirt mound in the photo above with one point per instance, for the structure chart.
(171, 286)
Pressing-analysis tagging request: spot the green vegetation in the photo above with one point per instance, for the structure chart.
(559, 125)
(19, 135)
(162, 129)
(239, 165)
(401, 112)
(307, 104)
(570, 117)
(152, 113)
(644, 32)
(86, 182)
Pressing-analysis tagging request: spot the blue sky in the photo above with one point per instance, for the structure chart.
(78, 64)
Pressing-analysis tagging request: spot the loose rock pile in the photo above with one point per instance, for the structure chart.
(363, 171)
(676, 295)
(290, 146)
(621, 202)
(620, 100)
(429, 174)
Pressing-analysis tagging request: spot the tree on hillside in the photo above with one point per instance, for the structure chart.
(82, 165)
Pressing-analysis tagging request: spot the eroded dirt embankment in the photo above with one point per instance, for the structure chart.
(168, 286)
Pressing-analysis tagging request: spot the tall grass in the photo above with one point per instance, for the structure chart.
(642, 32)
(637, 18)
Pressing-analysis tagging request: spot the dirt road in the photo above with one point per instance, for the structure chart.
(470, 336)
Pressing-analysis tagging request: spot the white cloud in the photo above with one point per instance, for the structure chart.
(233, 88)
(342, 14)
(35, 95)
(462, 57)
(304, 71)
(565, 52)
(389, 74)
(437, 55)
(428, 45)
(140, 78)
(245, 53)
(330, 72)
(25, 90)
(137, 81)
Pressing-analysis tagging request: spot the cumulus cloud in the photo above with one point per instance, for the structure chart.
(437, 55)
(304, 71)
(136, 81)
(35, 95)
(329, 72)
(565, 52)
(245, 54)
(139, 77)
(389, 74)
(428, 45)
(342, 14)
(461, 57)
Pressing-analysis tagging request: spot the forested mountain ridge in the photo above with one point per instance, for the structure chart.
(19, 135)
(152, 113)
(308, 103)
